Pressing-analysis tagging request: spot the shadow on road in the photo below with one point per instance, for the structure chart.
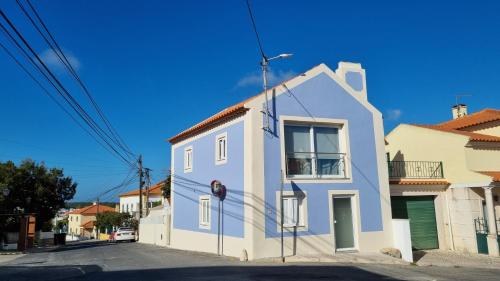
(233, 273)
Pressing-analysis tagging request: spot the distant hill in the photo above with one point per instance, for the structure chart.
(77, 205)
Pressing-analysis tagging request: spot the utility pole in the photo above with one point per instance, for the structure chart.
(148, 181)
(97, 213)
(141, 182)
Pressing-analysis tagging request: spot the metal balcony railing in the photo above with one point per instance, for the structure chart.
(315, 165)
(416, 169)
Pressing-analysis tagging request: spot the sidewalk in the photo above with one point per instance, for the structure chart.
(455, 259)
(4, 257)
(360, 258)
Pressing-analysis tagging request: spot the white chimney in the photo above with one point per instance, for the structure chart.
(354, 75)
(459, 110)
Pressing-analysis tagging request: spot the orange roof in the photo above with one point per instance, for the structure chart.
(419, 182)
(92, 210)
(211, 122)
(155, 190)
(472, 136)
(89, 224)
(495, 175)
(481, 117)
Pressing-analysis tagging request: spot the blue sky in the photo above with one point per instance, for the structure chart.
(158, 67)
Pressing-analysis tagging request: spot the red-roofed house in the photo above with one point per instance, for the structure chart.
(446, 179)
(81, 222)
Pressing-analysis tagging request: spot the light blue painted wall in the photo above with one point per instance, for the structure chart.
(322, 97)
(355, 80)
(197, 182)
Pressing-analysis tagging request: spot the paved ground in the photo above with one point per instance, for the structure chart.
(133, 261)
(450, 258)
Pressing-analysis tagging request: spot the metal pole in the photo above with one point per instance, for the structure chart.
(282, 219)
(264, 64)
(218, 230)
(140, 186)
(97, 230)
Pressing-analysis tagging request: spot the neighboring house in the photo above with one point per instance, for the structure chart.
(324, 144)
(129, 201)
(61, 215)
(445, 178)
(81, 222)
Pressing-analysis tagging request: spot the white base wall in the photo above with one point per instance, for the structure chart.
(205, 242)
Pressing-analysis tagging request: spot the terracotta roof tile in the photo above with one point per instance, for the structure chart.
(155, 189)
(472, 136)
(92, 210)
(495, 175)
(481, 117)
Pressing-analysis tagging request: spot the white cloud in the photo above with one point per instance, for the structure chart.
(273, 78)
(394, 114)
(50, 58)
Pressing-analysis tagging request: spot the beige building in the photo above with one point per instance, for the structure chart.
(446, 179)
(81, 222)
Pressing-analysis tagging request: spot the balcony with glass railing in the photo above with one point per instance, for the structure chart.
(415, 169)
(315, 165)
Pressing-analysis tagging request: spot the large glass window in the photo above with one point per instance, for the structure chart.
(313, 151)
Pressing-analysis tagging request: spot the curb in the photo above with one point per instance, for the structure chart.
(10, 253)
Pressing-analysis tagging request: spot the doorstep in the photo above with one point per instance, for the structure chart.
(345, 257)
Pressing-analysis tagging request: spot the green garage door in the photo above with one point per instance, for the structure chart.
(421, 213)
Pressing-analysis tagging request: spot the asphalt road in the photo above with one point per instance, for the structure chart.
(133, 261)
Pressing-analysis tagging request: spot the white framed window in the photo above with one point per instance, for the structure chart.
(314, 151)
(293, 212)
(221, 149)
(204, 212)
(188, 159)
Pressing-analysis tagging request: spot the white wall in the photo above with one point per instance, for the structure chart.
(133, 203)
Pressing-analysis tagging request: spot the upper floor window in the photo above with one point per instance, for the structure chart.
(221, 149)
(188, 159)
(314, 151)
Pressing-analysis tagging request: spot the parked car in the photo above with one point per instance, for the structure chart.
(123, 234)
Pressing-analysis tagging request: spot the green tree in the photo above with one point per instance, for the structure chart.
(166, 187)
(34, 188)
(108, 220)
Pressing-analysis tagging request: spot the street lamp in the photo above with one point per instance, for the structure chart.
(264, 63)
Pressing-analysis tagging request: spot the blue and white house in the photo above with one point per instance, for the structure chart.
(320, 159)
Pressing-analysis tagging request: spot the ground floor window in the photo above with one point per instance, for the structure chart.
(293, 211)
(204, 211)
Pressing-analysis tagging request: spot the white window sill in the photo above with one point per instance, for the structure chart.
(204, 226)
(220, 162)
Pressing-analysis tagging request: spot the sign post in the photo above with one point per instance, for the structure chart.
(219, 191)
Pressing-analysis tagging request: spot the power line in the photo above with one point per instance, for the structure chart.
(64, 60)
(255, 29)
(65, 94)
(51, 96)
